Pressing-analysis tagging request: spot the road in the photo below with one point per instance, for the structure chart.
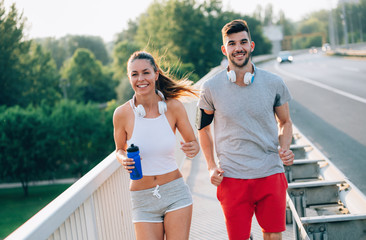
(329, 107)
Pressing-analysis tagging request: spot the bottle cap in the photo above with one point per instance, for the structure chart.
(133, 148)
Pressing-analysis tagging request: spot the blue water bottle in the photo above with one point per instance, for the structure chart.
(133, 152)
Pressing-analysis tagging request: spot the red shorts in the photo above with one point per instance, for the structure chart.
(241, 198)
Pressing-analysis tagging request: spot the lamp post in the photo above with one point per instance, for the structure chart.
(344, 21)
(359, 18)
(331, 30)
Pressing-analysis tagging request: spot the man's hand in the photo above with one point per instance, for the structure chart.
(287, 156)
(216, 175)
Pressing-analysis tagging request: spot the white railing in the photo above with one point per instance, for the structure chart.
(95, 207)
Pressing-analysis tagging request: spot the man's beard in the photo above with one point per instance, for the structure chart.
(245, 61)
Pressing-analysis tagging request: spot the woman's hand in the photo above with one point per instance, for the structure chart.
(190, 149)
(125, 162)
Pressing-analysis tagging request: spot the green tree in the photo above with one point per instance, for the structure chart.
(268, 15)
(77, 131)
(176, 29)
(42, 77)
(287, 25)
(121, 54)
(63, 48)
(129, 33)
(257, 14)
(24, 146)
(65, 140)
(355, 19)
(214, 19)
(92, 43)
(190, 32)
(57, 47)
(89, 81)
(187, 34)
(12, 50)
(308, 26)
(362, 19)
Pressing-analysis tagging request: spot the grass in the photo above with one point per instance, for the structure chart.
(15, 209)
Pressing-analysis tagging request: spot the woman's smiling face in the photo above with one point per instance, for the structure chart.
(142, 76)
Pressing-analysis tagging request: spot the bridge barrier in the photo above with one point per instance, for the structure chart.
(323, 203)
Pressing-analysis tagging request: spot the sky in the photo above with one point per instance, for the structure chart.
(105, 18)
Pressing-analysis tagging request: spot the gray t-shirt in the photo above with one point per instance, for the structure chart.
(245, 127)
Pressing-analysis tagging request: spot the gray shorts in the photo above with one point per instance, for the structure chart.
(151, 205)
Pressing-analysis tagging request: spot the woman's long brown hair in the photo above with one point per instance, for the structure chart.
(165, 83)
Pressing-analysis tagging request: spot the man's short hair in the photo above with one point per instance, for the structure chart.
(235, 26)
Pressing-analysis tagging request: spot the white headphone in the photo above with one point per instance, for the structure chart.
(140, 110)
(248, 77)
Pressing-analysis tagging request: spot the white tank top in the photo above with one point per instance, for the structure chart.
(156, 141)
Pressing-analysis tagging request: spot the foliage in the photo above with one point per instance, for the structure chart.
(355, 16)
(287, 25)
(67, 139)
(311, 25)
(93, 43)
(58, 49)
(124, 90)
(268, 15)
(42, 77)
(24, 145)
(12, 50)
(88, 80)
(122, 52)
(79, 132)
(65, 47)
(129, 33)
(27, 73)
(350, 15)
(163, 26)
(189, 34)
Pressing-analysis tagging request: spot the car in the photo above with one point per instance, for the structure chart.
(326, 47)
(313, 50)
(285, 56)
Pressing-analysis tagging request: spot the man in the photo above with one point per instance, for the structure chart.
(250, 110)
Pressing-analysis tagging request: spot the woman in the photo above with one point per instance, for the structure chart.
(162, 202)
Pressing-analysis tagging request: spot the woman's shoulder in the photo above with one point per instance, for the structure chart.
(122, 111)
(174, 103)
(175, 107)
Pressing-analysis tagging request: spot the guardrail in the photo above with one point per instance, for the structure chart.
(323, 203)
